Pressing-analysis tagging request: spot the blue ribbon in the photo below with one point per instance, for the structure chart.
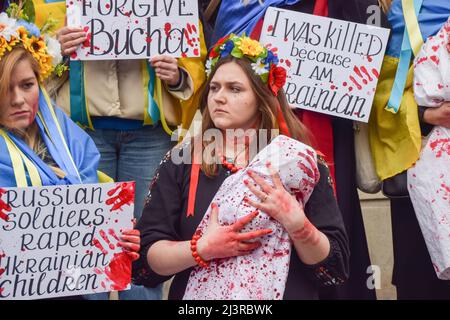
(395, 99)
(152, 108)
(78, 110)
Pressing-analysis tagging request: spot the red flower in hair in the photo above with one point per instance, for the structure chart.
(277, 79)
(216, 49)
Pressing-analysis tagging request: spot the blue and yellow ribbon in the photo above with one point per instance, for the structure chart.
(412, 42)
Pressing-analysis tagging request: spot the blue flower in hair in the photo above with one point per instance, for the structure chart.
(271, 58)
(227, 48)
(31, 28)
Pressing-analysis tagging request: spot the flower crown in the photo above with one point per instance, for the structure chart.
(264, 61)
(17, 29)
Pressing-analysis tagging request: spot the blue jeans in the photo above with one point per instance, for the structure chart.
(132, 155)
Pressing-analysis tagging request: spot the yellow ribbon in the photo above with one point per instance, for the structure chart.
(18, 158)
(159, 101)
(412, 25)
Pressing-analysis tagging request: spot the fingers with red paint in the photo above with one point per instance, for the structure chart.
(247, 236)
(131, 243)
(133, 247)
(260, 182)
(133, 256)
(240, 224)
(131, 239)
(131, 232)
(220, 241)
(276, 201)
(70, 38)
(166, 68)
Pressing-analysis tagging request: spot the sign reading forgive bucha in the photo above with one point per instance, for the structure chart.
(63, 240)
(333, 64)
(135, 29)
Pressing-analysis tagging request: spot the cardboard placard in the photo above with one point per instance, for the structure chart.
(58, 241)
(135, 29)
(333, 65)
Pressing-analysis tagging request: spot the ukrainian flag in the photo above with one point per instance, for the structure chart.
(394, 130)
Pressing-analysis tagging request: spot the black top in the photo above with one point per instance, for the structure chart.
(164, 218)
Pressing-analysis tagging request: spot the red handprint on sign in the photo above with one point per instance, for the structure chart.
(125, 195)
(4, 206)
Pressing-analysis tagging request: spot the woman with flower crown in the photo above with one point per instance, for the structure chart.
(331, 136)
(39, 144)
(234, 222)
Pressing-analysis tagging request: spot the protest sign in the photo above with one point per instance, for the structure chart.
(333, 64)
(135, 29)
(62, 240)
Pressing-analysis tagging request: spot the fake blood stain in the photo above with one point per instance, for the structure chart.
(119, 271)
(4, 207)
(124, 197)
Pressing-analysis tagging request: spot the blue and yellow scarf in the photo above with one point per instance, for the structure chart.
(71, 148)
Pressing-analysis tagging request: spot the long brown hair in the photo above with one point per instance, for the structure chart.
(268, 106)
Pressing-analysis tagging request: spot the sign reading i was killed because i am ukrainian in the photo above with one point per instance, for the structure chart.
(58, 241)
(333, 65)
(135, 29)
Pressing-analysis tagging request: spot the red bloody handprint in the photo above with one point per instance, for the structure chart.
(125, 195)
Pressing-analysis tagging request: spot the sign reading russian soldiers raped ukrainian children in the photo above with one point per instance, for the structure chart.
(135, 29)
(333, 64)
(62, 240)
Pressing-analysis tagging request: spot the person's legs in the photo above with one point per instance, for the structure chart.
(413, 275)
(106, 142)
(141, 151)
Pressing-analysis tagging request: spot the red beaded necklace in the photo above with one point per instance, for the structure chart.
(229, 166)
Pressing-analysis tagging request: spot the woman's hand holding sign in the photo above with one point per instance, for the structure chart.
(166, 68)
(70, 38)
(131, 242)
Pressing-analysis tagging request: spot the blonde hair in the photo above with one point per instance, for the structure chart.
(31, 134)
(385, 5)
(268, 106)
(9, 61)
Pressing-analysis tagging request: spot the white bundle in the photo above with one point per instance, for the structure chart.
(429, 178)
(261, 274)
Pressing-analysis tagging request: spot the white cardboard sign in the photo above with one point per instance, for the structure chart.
(333, 65)
(58, 241)
(135, 29)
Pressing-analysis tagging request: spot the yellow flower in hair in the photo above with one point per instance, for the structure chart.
(250, 47)
(3, 45)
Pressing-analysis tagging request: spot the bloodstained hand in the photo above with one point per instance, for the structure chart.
(226, 241)
(308, 234)
(131, 243)
(276, 201)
